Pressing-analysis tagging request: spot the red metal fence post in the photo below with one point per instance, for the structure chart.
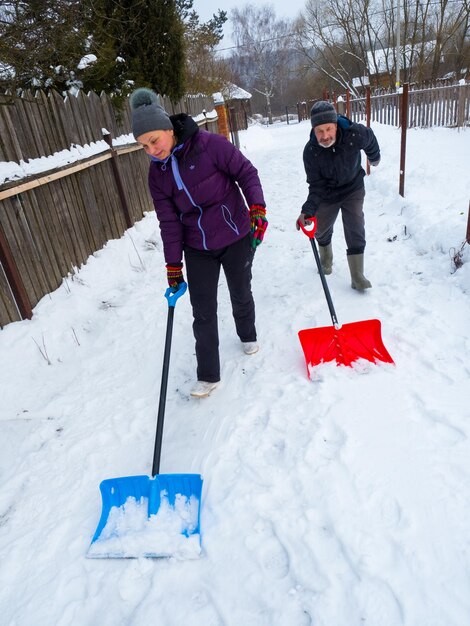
(468, 226)
(14, 279)
(404, 126)
(368, 122)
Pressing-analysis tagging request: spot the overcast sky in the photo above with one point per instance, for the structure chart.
(206, 8)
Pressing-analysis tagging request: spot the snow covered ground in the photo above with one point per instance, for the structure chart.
(342, 501)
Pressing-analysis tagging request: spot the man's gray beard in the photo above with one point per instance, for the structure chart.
(328, 146)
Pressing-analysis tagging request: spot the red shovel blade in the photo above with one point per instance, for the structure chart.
(357, 340)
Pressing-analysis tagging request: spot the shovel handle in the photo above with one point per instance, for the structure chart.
(309, 229)
(173, 293)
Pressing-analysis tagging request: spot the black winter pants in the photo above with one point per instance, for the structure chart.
(353, 221)
(203, 270)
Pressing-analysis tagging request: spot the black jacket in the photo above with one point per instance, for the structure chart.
(333, 173)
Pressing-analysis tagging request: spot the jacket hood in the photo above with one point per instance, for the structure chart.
(185, 127)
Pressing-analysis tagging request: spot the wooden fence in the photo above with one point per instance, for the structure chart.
(440, 106)
(52, 222)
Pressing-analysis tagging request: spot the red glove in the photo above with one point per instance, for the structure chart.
(174, 274)
(259, 223)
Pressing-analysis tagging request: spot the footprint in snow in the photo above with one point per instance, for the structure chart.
(443, 432)
(204, 610)
(326, 445)
(270, 552)
(379, 604)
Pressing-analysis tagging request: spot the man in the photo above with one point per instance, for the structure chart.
(332, 161)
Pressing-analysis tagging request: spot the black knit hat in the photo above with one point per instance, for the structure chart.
(147, 114)
(323, 113)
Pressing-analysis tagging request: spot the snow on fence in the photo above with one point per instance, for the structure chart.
(69, 192)
(439, 106)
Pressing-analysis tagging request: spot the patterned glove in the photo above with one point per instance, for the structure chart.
(174, 274)
(259, 223)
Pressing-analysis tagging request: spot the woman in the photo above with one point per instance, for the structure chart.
(195, 179)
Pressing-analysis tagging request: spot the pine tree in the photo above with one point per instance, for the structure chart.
(137, 43)
(204, 72)
(41, 43)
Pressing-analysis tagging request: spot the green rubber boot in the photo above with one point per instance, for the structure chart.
(326, 258)
(356, 267)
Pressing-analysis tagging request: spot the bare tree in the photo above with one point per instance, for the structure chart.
(334, 38)
(449, 23)
(263, 50)
(345, 39)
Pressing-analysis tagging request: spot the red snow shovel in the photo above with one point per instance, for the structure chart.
(151, 516)
(343, 344)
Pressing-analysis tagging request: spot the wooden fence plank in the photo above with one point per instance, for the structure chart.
(135, 170)
(59, 118)
(115, 219)
(12, 224)
(76, 119)
(89, 212)
(12, 134)
(109, 115)
(25, 137)
(72, 135)
(107, 200)
(428, 109)
(37, 214)
(89, 200)
(95, 115)
(431, 109)
(37, 134)
(75, 200)
(5, 126)
(42, 229)
(45, 121)
(67, 243)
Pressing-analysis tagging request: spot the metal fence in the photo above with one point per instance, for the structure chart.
(439, 106)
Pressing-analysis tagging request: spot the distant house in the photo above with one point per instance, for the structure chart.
(238, 103)
(413, 59)
(360, 83)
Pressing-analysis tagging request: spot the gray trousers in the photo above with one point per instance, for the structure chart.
(352, 215)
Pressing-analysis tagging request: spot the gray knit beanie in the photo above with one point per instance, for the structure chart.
(147, 114)
(323, 113)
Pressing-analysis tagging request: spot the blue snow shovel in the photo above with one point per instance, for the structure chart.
(174, 490)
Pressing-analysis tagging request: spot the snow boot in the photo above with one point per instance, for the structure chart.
(326, 258)
(250, 347)
(356, 267)
(202, 389)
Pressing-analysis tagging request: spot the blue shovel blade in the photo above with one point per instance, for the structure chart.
(115, 492)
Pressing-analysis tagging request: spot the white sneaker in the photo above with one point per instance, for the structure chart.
(250, 347)
(202, 389)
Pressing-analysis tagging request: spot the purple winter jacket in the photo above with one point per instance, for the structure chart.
(195, 191)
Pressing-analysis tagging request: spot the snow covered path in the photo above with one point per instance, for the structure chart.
(336, 502)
